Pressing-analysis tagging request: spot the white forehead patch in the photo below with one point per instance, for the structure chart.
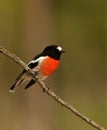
(59, 48)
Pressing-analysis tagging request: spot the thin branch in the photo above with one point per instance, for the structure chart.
(48, 91)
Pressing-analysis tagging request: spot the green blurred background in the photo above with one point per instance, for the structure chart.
(26, 27)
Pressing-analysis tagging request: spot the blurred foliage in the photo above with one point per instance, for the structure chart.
(26, 27)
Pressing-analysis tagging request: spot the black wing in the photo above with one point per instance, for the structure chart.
(33, 64)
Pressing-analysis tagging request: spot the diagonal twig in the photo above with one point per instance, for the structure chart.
(48, 91)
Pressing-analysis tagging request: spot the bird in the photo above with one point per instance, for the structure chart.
(43, 64)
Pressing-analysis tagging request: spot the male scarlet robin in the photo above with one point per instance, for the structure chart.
(44, 64)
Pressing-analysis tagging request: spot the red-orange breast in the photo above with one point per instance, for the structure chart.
(48, 66)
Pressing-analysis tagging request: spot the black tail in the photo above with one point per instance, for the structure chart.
(12, 87)
(30, 84)
(20, 79)
(15, 85)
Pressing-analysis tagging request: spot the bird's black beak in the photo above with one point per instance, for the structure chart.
(63, 51)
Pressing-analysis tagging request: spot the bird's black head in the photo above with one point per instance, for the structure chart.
(53, 51)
